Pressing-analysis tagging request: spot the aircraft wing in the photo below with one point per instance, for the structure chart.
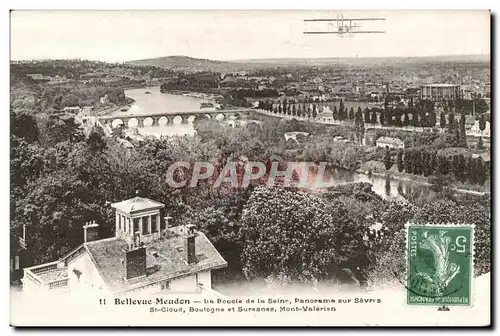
(347, 32)
(328, 20)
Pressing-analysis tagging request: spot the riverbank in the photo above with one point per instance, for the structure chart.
(111, 110)
(421, 180)
(193, 94)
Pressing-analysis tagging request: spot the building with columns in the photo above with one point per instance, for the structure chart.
(138, 218)
(146, 256)
(440, 92)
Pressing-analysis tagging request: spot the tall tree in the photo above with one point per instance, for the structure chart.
(442, 120)
(359, 125)
(463, 135)
(433, 162)
(432, 119)
(415, 122)
(408, 161)
(471, 170)
(482, 123)
(398, 120)
(400, 161)
(461, 168)
(427, 163)
(451, 123)
(351, 113)
(374, 117)
(417, 163)
(481, 171)
(480, 144)
(387, 159)
(342, 113)
(341, 108)
(367, 115)
(406, 120)
(442, 165)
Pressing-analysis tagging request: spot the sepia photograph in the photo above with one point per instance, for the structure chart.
(250, 168)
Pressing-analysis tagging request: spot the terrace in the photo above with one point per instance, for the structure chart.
(50, 276)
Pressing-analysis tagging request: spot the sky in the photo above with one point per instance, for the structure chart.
(117, 36)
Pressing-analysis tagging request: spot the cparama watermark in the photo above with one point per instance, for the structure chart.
(242, 174)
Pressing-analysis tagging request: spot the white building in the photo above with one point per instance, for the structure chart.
(36, 76)
(293, 136)
(146, 256)
(438, 92)
(390, 142)
(326, 114)
(475, 130)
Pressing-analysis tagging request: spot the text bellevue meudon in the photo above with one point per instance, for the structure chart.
(179, 301)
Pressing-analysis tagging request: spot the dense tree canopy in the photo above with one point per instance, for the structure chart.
(60, 179)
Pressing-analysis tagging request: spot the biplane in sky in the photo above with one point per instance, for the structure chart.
(342, 26)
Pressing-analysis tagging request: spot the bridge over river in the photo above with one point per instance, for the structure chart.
(166, 118)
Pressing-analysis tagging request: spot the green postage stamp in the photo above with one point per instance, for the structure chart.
(440, 260)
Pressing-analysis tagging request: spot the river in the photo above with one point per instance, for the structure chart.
(157, 102)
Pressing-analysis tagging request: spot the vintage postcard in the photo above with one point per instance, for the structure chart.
(250, 168)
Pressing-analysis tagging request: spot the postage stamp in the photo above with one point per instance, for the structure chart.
(440, 264)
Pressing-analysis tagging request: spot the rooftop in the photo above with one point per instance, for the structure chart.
(53, 274)
(137, 204)
(164, 260)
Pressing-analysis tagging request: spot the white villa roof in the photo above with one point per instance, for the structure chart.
(137, 204)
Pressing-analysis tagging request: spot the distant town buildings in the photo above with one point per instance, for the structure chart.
(35, 76)
(390, 142)
(439, 92)
(51, 80)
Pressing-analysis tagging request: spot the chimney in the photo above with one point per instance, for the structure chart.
(166, 233)
(189, 244)
(137, 239)
(90, 231)
(135, 263)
